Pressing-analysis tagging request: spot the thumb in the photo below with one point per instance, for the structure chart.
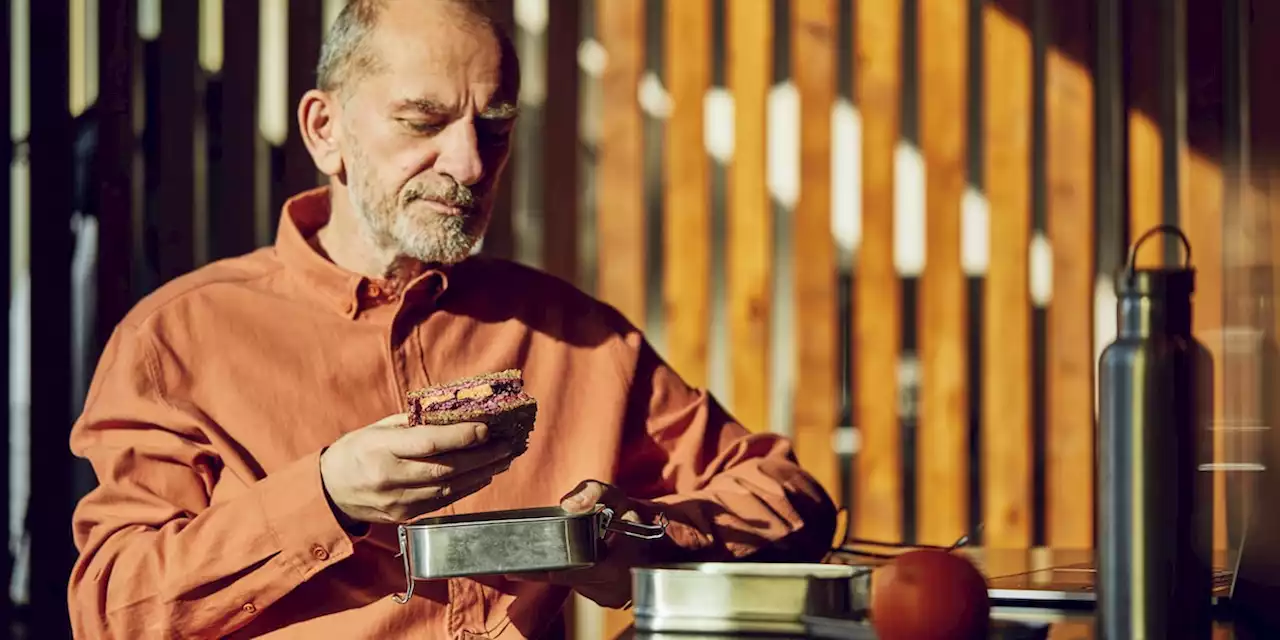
(583, 497)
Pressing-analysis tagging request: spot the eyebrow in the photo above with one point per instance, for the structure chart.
(499, 111)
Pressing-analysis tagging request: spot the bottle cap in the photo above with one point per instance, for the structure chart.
(1161, 282)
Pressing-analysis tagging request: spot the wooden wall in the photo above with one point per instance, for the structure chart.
(885, 228)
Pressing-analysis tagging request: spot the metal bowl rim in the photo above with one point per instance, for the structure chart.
(798, 570)
(508, 517)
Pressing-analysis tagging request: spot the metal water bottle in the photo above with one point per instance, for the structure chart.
(1154, 535)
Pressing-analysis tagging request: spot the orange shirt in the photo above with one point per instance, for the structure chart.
(215, 395)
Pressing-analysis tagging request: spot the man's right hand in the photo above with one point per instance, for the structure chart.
(389, 472)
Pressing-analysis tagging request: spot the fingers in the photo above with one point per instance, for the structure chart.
(427, 499)
(426, 441)
(393, 420)
(585, 496)
(446, 466)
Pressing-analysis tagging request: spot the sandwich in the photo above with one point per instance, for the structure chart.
(496, 399)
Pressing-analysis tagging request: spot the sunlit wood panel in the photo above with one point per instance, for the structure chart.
(749, 214)
(815, 37)
(877, 296)
(620, 218)
(560, 143)
(1070, 204)
(1006, 358)
(686, 286)
(1146, 201)
(942, 454)
(620, 208)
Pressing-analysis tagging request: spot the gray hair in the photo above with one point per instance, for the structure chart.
(345, 55)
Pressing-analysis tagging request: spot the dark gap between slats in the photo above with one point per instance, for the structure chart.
(844, 277)
(50, 151)
(909, 389)
(910, 122)
(781, 40)
(1039, 317)
(975, 283)
(297, 169)
(975, 407)
(909, 404)
(145, 268)
(845, 68)
(1039, 394)
(653, 154)
(719, 35)
(720, 342)
(176, 121)
(846, 311)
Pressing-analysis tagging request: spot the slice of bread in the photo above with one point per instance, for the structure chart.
(496, 399)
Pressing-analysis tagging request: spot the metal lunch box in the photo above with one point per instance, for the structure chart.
(543, 539)
(745, 597)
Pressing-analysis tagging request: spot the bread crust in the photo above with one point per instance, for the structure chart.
(510, 412)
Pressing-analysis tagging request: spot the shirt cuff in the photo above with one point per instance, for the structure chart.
(297, 511)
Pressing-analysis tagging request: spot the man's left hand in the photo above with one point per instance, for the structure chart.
(608, 582)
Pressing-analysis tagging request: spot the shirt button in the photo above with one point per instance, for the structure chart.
(249, 608)
(319, 552)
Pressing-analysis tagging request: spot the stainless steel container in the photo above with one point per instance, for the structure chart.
(504, 542)
(1154, 424)
(744, 597)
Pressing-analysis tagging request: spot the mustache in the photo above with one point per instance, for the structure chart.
(449, 193)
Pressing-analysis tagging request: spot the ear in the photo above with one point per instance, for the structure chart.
(318, 122)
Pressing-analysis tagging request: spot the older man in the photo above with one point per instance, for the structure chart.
(246, 420)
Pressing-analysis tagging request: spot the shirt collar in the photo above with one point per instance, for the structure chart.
(343, 291)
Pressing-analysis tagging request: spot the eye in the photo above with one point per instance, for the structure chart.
(423, 126)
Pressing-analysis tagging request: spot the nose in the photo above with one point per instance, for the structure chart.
(459, 153)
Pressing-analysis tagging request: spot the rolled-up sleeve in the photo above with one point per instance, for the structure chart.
(727, 493)
(157, 559)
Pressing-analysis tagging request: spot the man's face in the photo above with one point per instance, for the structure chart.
(425, 137)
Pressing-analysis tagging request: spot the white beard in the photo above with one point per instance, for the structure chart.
(424, 236)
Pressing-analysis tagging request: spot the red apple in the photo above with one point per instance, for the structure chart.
(929, 594)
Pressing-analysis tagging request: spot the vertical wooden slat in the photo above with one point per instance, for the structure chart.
(877, 295)
(560, 145)
(298, 170)
(499, 238)
(620, 166)
(749, 49)
(176, 120)
(1006, 343)
(235, 171)
(621, 223)
(1069, 202)
(943, 440)
(113, 164)
(1200, 160)
(815, 39)
(686, 287)
(1145, 143)
(50, 250)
